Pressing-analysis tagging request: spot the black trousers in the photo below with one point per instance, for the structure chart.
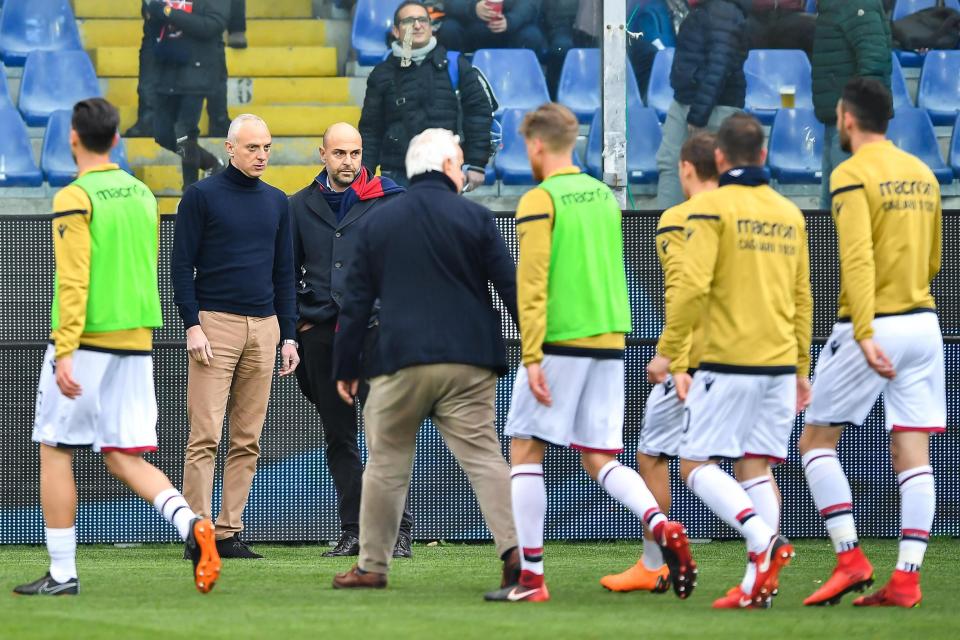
(340, 422)
(146, 86)
(177, 117)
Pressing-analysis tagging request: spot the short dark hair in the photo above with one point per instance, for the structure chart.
(741, 139)
(698, 150)
(870, 102)
(96, 122)
(404, 5)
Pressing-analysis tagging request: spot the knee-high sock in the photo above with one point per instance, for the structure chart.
(175, 510)
(529, 495)
(764, 499)
(831, 493)
(627, 487)
(62, 547)
(917, 504)
(727, 499)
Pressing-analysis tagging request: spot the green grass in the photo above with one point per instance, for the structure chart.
(146, 592)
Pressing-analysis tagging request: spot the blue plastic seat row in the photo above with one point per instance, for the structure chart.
(54, 80)
(36, 25)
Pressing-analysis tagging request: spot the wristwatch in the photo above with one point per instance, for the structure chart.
(296, 345)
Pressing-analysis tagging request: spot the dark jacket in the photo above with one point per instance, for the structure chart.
(708, 63)
(429, 260)
(519, 13)
(852, 39)
(323, 250)
(402, 102)
(189, 64)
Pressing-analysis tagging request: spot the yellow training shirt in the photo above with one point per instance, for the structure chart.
(746, 274)
(887, 210)
(71, 247)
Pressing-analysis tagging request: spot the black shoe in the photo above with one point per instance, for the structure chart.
(202, 550)
(404, 546)
(138, 130)
(234, 547)
(349, 545)
(47, 586)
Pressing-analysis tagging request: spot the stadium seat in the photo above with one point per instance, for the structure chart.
(17, 168)
(580, 83)
(898, 85)
(811, 6)
(643, 140)
(904, 8)
(36, 25)
(659, 91)
(511, 163)
(56, 161)
(371, 22)
(939, 92)
(912, 131)
(515, 76)
(768, 70)
(796, 147)
(54, 80)
(955, 148)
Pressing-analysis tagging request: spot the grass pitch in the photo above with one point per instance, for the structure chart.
(146, 592)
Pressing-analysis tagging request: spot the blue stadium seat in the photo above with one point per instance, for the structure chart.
(659, 91)
(17, 168)
(955, 148)
(796, 147)
(903, 8)
(912, 131)
(643, 140)
(36, 25)
(56, 161)
(811, 6)
(939, 92)
(511, 163)
(54, 80)
(515, 76)
(898, 85)
(768, 70)
(371, 22)
(580, 81)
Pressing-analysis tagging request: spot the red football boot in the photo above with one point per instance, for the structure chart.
(903, 590)
(852, 573)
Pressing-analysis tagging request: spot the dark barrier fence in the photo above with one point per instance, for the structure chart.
(293, 497)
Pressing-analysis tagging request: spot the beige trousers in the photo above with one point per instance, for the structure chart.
(460, 399)
(237, 380)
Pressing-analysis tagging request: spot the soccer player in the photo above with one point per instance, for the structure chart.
(886, 208)
(663, 417)
(96, 385)
(574, 314)
(745, 265)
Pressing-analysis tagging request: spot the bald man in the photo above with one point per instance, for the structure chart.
(328, 217)
(233, 283)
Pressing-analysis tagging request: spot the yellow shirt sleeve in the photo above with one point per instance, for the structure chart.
(71, 248)
(535, 235)
(803, 317)
(851, 215)
(670, 240)
(936, 255)
(685, 305)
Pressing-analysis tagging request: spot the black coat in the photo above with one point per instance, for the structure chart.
(429, 260)
(708, 63)
(192, 63)
(323, 250)
(426, 100)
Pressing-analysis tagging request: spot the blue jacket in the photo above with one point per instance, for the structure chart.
(708, 64)
(429, 260)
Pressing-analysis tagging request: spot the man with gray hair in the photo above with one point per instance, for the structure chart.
(429, 260)
(233, 283)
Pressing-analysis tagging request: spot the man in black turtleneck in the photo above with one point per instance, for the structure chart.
(233, 283)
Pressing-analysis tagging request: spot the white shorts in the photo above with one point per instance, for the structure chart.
(737, 415)
(845, 388)
(663, 419)
(587, 409)
(117, 410)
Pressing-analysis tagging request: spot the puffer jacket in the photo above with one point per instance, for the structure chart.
(190, 56)
(708, 63)
(402, 102)
(852, 39)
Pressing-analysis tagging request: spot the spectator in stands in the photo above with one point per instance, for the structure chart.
(781, 24)
(852, 40)
(233, 283)
(147, 79)
(328, 218)
(558, 25)
(708, 83)
(412, 90)
(512, 24)
(190, 58)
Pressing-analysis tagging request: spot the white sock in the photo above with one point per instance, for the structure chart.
(831, 493)
(727, 499)
(62, 547)
(764, 499)
(175, 510)
(529, 495)
(918, 500)
(627, 487)
(652, 557)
